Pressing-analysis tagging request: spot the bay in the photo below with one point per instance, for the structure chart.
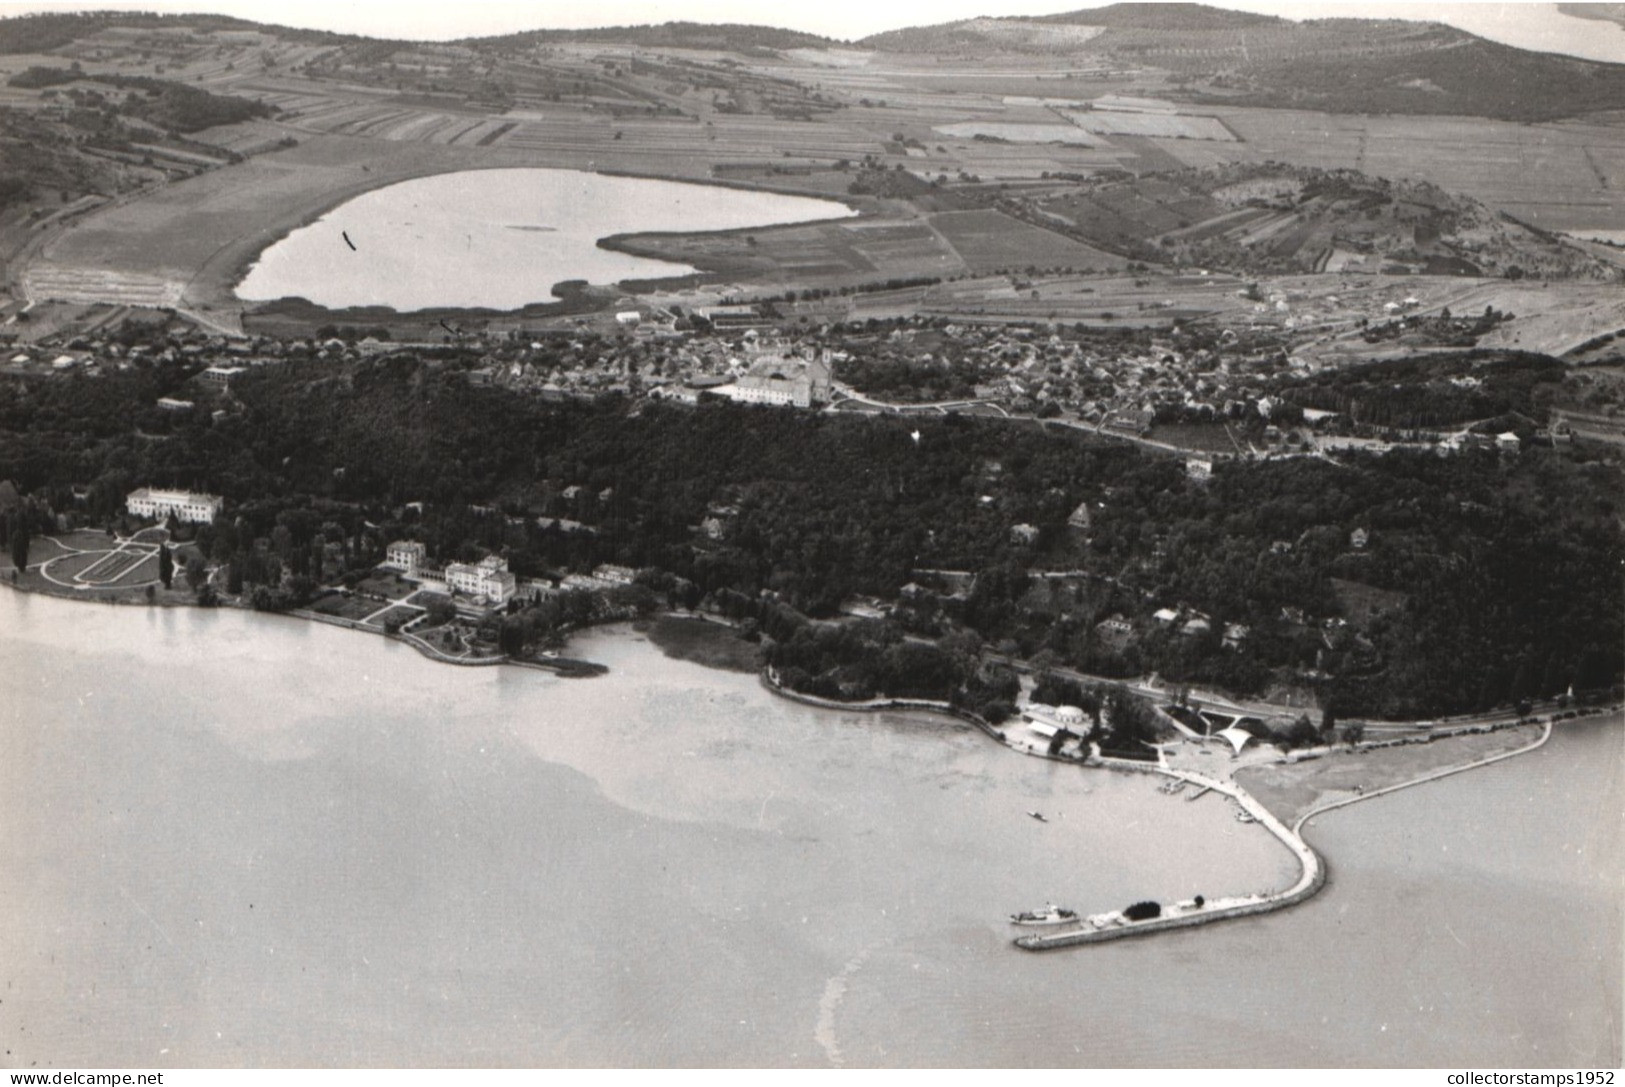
(235, 839)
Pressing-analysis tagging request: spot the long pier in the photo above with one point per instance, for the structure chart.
(1312, 868)
(1311, 878)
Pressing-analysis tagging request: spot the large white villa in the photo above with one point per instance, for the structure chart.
(185, 505)
(488, 579)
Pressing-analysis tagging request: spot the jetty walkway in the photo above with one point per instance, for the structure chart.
(1311, 875)
(1311, 878)
(1311, 867)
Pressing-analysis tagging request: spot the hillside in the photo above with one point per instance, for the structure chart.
(1279, 219)
(729, 37)
(1172, 16)
(1423, 68)
(42, 33)
(38, 160)
(1335, 65)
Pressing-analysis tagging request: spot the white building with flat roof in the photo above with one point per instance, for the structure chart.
(407, 556)
(185, 505)
(489, 578)
(220, 376)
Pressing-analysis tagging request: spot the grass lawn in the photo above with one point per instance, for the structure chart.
(344, 607)
(425, 598)
(384, 583)
(402, 612)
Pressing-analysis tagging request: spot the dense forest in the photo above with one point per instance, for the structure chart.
(1433, 390)
(1499, 576)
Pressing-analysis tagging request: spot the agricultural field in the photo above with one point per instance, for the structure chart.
(1020, 133)
(1551, 175)
(1167, 126)
(1277, 219)
(1111, 300)
(989, 241)
(350, 116)
(819, 254)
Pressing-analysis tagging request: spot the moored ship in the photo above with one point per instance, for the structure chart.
(1051, 914)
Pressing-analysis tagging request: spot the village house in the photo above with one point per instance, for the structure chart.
(220, 376)
(1115, 626)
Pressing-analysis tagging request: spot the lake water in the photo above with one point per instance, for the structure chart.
(233, 839)
(1541, 27)
(500, 238)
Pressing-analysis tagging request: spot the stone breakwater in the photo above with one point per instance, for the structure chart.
(1311, 878)
(1113, 926)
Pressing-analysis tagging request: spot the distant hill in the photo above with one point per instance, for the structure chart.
(1371, 66)
(731, 37)
(978, 37)
(1176, 16)
(1210, 55)
(1334, 65)
(47, 31)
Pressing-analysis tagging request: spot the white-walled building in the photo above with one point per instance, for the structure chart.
(489, 578)
(775, 380)
(407, 556)
(220, 376)
(185, 505)
(1046, 721)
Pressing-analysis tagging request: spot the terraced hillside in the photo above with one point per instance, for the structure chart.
(1277, 219)
(1336, 65)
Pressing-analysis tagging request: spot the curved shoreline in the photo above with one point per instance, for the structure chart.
(1433, 775)
(1312, 867)
(341, 168)
(214, 282)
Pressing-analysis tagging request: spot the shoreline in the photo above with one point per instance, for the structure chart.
(1312, 875)
(563, 667)
(214, 283)
(1313, 869)
(340, 168)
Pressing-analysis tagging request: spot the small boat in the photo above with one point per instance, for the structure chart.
(1051, 914)
(1038, 815)
(1245, 817)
